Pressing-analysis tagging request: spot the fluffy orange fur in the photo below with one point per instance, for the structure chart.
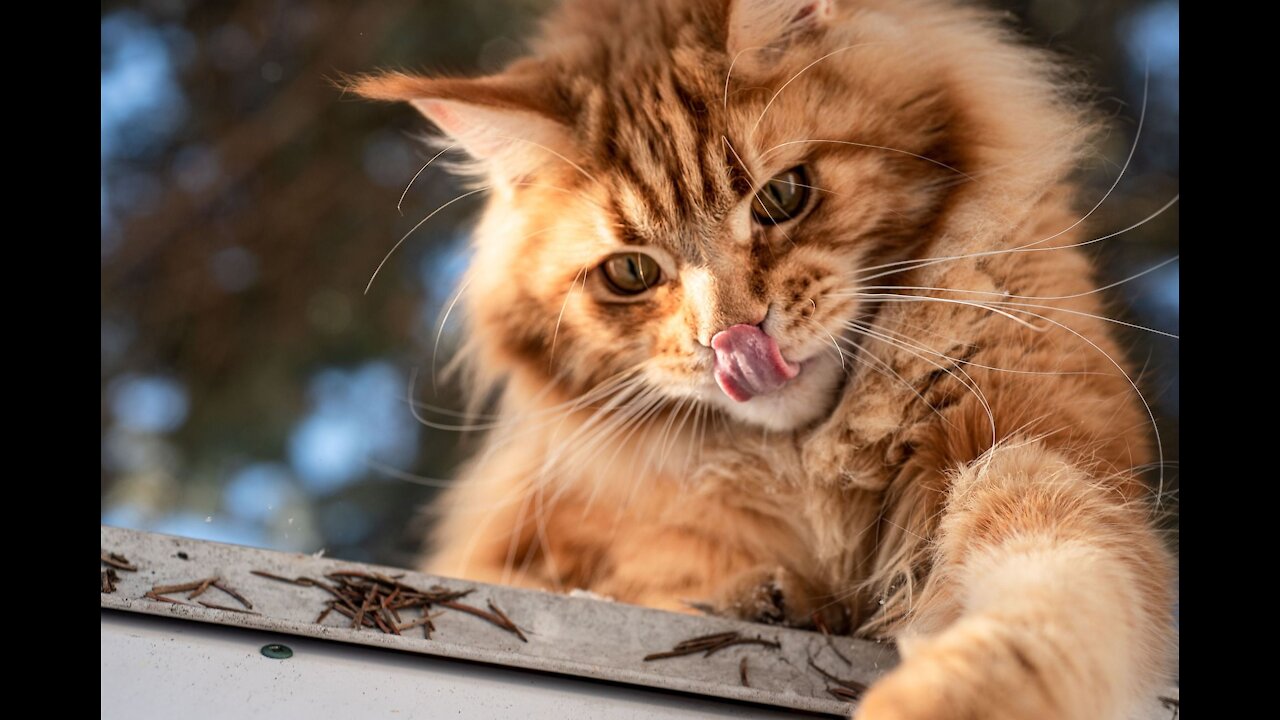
(955, 467)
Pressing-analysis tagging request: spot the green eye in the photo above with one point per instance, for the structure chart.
(631, 273)
(782, 198)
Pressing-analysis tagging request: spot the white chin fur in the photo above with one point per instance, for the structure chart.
(800, 402)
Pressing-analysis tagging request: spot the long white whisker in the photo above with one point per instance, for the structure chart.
(894, 297)
(575, 165)
(735, 62)
(400, 242)
(907, 340)
(792, 79)
(905, 265)
(755, 184)
(1137, 133)
(435, 350)
(971, 385)
(997, 294)
(927, 159)
(1150, 413)
(555, 335)
(415, 176)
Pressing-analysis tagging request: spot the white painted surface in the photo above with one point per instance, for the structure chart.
(160, 668)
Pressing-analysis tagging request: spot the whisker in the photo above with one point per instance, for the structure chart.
(756, 184)
(1150, 413)
(555, 335)
(735, 62)
(1137, 133)
(886, 370)
(905, 265)
(902, 337)
(792, 79)
(575, 165)
(1117, 283)
(435, 350)
(400, 242)
(408, 476)
(415, 177)
(894, 297)
(939, 163)
(971, 385)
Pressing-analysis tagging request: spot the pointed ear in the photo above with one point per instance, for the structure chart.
(770, 25)
(507, 122)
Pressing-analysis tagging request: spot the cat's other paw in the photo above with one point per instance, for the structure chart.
(776, 596)
(963, 678)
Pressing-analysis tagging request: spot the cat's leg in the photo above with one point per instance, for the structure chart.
(486, 524)
(1051, 599)
(497, 525)
(668, 567)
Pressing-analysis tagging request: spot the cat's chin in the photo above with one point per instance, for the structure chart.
(801, 402)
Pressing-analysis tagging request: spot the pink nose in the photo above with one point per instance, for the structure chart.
(749, 363)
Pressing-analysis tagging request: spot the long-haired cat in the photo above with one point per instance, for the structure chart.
(785, 309)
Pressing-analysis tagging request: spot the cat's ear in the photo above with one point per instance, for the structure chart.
(757, 27)
(508, 122)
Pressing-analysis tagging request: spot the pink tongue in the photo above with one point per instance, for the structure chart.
(748, 363)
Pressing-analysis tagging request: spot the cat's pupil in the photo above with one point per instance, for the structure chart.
(782, 198)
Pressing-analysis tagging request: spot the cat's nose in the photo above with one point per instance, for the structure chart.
(706, 335)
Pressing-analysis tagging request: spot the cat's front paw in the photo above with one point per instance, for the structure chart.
(776, 596)
(951, 680)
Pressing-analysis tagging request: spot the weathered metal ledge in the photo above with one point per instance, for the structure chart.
(574, 636)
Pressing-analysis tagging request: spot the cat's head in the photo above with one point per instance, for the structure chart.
(685, 194)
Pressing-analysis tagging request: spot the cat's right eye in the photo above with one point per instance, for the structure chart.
(631, 273)
(782, 198)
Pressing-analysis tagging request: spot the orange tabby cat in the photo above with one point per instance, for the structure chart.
(784, 302)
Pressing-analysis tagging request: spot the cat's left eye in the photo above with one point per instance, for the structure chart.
(631, 273)
(782, 198)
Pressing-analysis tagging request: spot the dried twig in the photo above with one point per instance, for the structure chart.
(118, 561)
(109, 580)
(216, 606)
(304, 581)
(208, 582)
(849, 686)
(183, 587)
(151, 595)
(197, 588)
(501, 621)
(842, 693)
(742, 672)
(374, 600)
(711, 644)
(821, 624)
(510, 625)
(425, 621)
(224, 587)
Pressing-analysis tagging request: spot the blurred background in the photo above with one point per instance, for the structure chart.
(252, 393)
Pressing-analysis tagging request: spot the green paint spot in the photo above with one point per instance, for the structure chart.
(276, 651)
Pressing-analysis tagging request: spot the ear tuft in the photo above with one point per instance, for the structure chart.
(392, 86)
(504, 120)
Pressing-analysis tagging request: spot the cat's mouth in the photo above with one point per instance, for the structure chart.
(749, 363)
